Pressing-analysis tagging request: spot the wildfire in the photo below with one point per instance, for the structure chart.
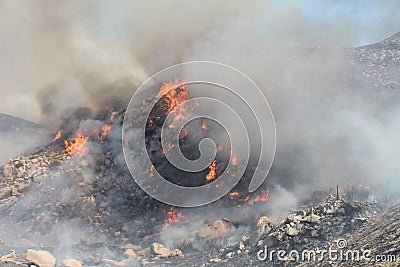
(234, 160)
(77, 147)
(104, 131)
(183, 134)
(234, 195)
(248, 200)
(175, 92)
(172, 217)
(57, 136)
(204, 125)
(212, 174)
(263, 197)
(112, 116)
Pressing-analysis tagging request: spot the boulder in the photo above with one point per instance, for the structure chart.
(40, 258)
(131, 254)
(265, 225)
(215, 230)
(162, 251)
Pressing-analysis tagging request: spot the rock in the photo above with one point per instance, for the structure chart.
(40, 258)
(130, 254)
(216, 260)
(12, 257)
(292, 231)
(8, 170)
(265, 225)
(5, 192)
(159, 249)
(312, 218)
(144, 253)
(229, 255)
(71, 263)
(294, 218)
(215, 230)
(20, 172)
(162, 251)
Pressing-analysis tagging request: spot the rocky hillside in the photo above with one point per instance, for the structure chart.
(59, 209)
(18, 136)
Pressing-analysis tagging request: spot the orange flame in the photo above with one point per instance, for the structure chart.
(234, 195)
(172, 217)
(204, 125)
(112, 116)
(212, 174)
(104, 131)
(183, 134)
(77, 147)
(263, 197)
(173, 97)
(57, 136)
(175, 93)
(234, 160)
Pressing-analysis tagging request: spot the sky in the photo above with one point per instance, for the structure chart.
(43, 44)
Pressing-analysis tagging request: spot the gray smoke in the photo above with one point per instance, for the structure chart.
(60, 57)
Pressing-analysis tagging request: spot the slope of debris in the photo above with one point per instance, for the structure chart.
(380, 62)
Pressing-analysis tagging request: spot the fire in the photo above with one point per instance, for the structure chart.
(183, 134)
(212, 174)
(151, 171)
(263, 197)
(248, 200)
(104, 131)
(57, 136)
(77, 147)
(204, 125)
(112, 116)
(234, 195)
(175, 92)
(234, 160)
(172, 217)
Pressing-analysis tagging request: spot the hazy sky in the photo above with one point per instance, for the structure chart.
(76, 45)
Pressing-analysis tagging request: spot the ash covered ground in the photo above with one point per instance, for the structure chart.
(68, 199)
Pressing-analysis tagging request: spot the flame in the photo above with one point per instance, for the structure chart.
(77, 147)
(175, 93)
(104, 131)
(112, 116)
(204, 125)
(57, 136)
(234, 195)
(151, 171)
(183, 134)
(173, 96)
(263, 197)
(234, 160)
(212, 174)
(172, 217)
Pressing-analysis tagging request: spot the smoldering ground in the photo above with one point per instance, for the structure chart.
(64, 59)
